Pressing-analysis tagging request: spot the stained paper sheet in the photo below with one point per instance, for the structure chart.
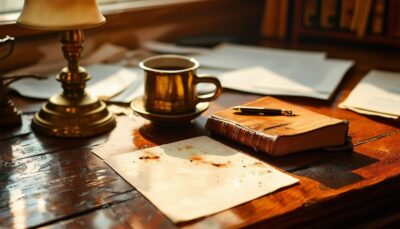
(197, 177)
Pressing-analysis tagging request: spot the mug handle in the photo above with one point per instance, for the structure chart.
(212, 95)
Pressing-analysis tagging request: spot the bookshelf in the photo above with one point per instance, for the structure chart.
(388, 35)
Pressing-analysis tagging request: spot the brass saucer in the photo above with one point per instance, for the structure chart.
(138, 107)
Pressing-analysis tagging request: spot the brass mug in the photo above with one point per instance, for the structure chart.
(170, 84)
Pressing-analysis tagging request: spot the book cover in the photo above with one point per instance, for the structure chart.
(279, 135)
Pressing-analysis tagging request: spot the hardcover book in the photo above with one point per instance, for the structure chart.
(278, 135)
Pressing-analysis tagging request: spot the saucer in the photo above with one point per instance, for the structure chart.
(138, 107)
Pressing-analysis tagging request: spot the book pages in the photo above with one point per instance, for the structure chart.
(377, 94)
(197, 177)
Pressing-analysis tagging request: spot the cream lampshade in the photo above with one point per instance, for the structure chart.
(60, 14)
(72, 113)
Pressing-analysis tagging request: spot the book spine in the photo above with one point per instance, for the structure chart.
(259, 141)
(329, 14)
(311, 13)
(378, 16)
(393, 18)
(365, 17)
(346, 14)
(355, 21)
(269, 27)
(283, 18)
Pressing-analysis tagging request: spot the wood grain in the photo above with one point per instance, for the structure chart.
(50, 187)
(52, 183)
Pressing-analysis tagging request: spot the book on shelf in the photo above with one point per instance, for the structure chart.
(378, 17)
(279, 135)
(393, 18)
(360, 18)
(269, 22)
(346, 13)
(329, 14)
(311, 13)
(275, 19)
(283, 19)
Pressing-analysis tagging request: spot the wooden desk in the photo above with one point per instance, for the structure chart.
(59, 183)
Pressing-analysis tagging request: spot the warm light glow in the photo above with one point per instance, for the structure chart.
(60, 14)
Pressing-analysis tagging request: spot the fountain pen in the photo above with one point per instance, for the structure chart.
(262, 111)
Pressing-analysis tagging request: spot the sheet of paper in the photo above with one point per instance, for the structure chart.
(197, 177)
(168, 48)
(113, 84)
(107, 81)
(276, 71)
(317, 79)
(230, 56)
(377, 94)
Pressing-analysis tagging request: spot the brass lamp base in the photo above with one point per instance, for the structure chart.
(80, 117)
(9, 115)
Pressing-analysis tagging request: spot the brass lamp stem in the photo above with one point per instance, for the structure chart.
(73, 78)
(74, 113)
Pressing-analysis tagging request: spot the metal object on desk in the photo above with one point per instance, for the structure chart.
(73, 113)
(9, 115)
(170, 85)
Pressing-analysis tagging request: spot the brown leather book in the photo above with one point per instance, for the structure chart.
(279, 135)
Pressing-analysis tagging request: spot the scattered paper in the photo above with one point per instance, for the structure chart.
(197, 177)
(377, 94)
(317, 79)
(168, 48)
(270, 71)
(107, 81)
(113, 84)
(230, 56)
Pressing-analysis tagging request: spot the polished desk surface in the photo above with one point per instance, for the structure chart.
(53, 182)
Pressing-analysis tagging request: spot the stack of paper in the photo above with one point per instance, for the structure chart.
(377, 94)
(275, 71)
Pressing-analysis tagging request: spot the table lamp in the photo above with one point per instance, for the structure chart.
(72, 113)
